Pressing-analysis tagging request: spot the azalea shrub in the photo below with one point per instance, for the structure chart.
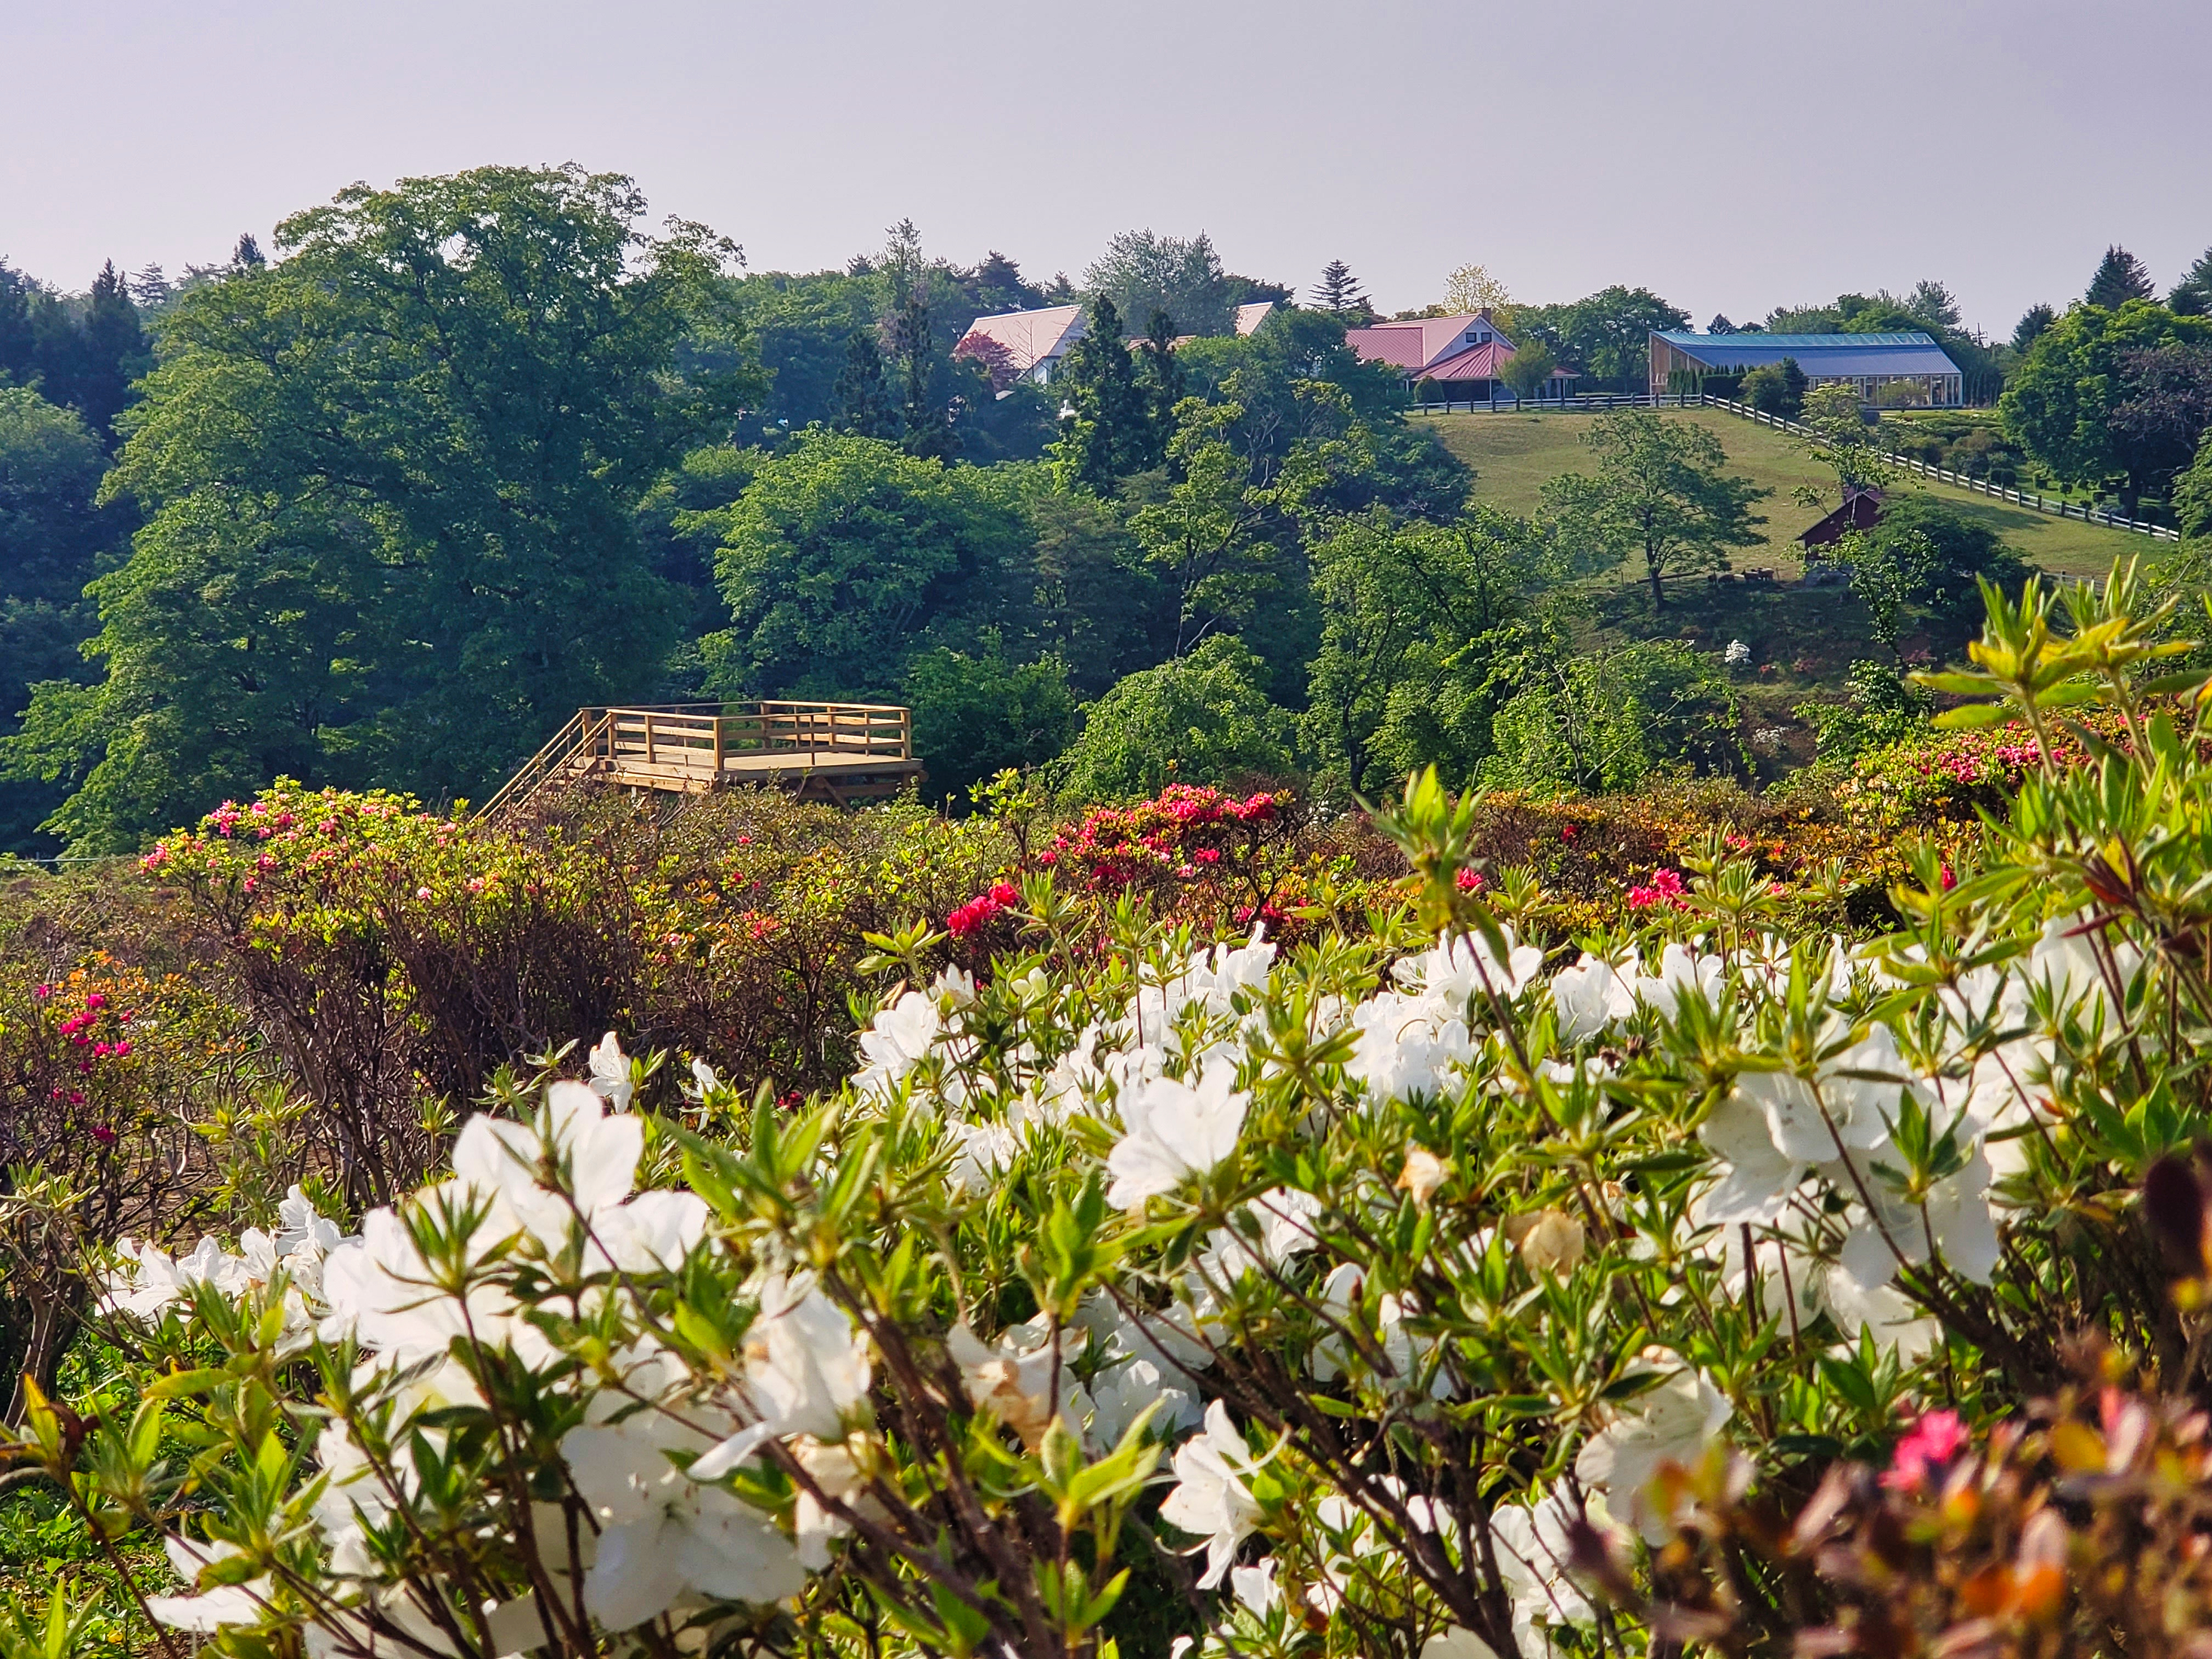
(1454, 1284)
(121, 1084)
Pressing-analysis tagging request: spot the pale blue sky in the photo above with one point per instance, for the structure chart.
(1733, 155)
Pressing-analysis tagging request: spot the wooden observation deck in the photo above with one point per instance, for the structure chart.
(835, 751)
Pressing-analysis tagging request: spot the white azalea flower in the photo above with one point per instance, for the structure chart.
(806, 1367)
(1533, 1549)
(2064, 964)
(1876, 1305)
(1174, 1131)
(1286, 1222)
(954, 987)
(1120, 1395)
(1407, 1046)
(610, 1077)
(1013, 1380)
(299, 1225)
(895, 1038)
(654, 1232)
(1461, 967)
(503, 1161)
(1210, 1499)
(1681, 973)
(1255, 1586)
(1673, 1422)
(1756, 1180)
(840, 1472)
(205, 1611)
(1589, 997)
(1859, 1108)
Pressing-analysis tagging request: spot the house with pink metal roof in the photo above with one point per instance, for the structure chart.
(1462, 357)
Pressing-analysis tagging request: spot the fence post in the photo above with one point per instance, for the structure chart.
(648, 739)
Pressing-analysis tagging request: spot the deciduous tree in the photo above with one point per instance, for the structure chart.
(1410, 613)
(1218, 537)
(1528, 369)
(1658, 493)
(1472, 288)
(845, 556)
(1142, 272)
(390, 482)
(2062, 403)
(1204, 717)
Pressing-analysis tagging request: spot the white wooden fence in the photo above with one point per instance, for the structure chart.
(1596, 402)
(2029, 499)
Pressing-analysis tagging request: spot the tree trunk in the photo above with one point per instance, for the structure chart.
(1658, 589)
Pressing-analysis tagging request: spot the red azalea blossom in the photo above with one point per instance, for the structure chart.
(103, 1134)
(971, 915)
(1932, 1442)
(1949, 880)
(1666, 887)
(1005, 894)
(1469, 881)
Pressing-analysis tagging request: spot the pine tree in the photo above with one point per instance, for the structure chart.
(247, 255)
(2033, 322)
(114, 352)
(1932, 304)
(925, 419)
(2192, 294)
(1338, 293)
(1161, 376)
(17, 342)
(150, 287)
(1793, 388)
(1105, 430)
(860, 401)
(1720, 324)
(2120, 277)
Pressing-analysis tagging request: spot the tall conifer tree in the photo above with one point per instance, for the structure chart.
(2120, 277)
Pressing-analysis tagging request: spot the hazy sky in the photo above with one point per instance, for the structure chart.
(1732, 154)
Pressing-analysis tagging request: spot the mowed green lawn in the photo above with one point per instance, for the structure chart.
(1513, 455)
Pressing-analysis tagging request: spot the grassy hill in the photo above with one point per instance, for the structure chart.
(1801, 639)
(1513, 455)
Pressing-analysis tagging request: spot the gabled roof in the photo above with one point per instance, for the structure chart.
(1861, 510)
(1419, 343)
(1248, 317)
(1486, 362)
(1030, 337)
(1902, 352)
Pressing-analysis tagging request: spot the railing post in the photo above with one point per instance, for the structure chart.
(648, 737)
(718, 748)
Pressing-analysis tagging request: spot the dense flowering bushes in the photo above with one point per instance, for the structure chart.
(1450, 1287)
(1948, 776)
(115, 1080)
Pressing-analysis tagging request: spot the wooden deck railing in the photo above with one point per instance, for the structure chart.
(692, 746)
(712, 736)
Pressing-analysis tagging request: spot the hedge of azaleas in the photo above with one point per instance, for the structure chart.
(1452, 1288)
